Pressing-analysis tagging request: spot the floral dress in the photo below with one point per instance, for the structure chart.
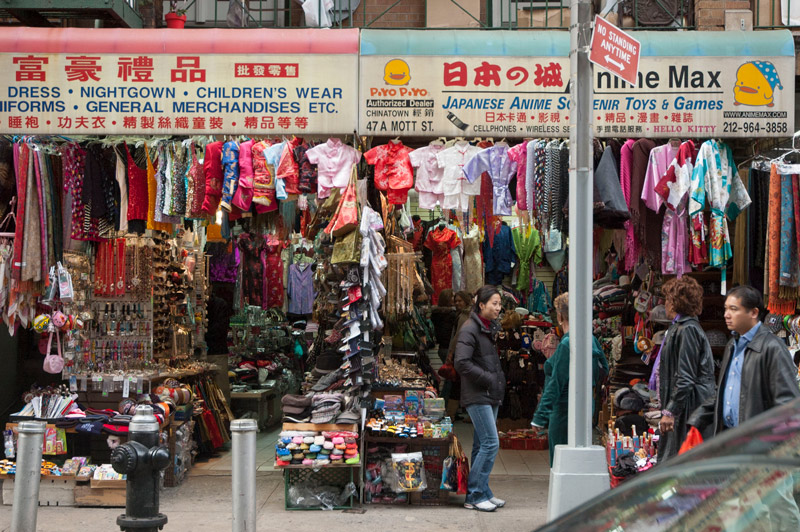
(273, 272)
(715, 175)
(473, 263)
(440, 241)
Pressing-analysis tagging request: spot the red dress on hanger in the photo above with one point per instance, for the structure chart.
(273, 272)
(440, 241)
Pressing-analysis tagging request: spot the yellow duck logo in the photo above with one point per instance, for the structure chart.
(755, 84)
(396, 72)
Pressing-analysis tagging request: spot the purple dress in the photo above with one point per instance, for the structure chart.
(501, 168)
(301, 289)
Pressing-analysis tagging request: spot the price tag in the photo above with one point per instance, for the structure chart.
(107, 387)
(126, 387)
(139, 385)
(73, 383)
(83, 383)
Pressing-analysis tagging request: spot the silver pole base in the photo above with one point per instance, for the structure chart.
(578, 474)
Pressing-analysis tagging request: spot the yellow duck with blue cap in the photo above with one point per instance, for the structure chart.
(755, 84)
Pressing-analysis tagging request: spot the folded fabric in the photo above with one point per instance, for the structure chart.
(308, 440)
(319, 440)
(315, 448)
(337, 440)
(337, 452)
(353, 460)
(328, 445)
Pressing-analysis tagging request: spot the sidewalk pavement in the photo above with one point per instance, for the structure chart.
(203, 503)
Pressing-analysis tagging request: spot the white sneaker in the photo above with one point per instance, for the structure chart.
(497, 502)
(485, 506)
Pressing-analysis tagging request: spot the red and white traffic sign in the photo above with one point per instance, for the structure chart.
(615, 50)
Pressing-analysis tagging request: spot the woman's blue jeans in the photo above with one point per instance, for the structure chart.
(485, 444)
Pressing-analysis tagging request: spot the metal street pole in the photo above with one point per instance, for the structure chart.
(579, 468)
(244, 474)
(26, 480)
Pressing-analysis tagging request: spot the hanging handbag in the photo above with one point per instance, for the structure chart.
(450, 471)
(642, 302)
(347, 249)
(462, 467)
(346, 217)
(53, 363)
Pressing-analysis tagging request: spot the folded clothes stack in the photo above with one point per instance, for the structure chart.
(316, 449)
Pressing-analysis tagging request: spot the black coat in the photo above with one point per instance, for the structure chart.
(768, 380)
(686, 374)
(482, 379)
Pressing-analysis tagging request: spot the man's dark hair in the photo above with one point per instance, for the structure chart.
(749, 298)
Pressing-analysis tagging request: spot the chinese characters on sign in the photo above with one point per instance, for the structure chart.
(188, 94)
(529, 97)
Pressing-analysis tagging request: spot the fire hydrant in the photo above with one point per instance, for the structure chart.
(141, 459)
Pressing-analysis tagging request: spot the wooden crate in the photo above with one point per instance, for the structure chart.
(86, 495)
(53, 491)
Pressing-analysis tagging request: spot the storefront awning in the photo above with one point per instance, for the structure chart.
(169, 41)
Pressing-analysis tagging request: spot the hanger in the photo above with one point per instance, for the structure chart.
(795, 149)
(754, 157)
(395, 140)
(675, 143)
(438, 142)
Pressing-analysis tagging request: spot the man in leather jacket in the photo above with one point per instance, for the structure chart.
(757, 371)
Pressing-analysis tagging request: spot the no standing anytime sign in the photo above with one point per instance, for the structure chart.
(615, 50)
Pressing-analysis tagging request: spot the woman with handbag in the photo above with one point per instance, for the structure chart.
(684, 366)
(553, 408)
(483, 385)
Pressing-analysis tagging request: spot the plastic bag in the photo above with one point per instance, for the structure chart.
(309, 495)
(410, 471)
(693, 439)
(449, 474)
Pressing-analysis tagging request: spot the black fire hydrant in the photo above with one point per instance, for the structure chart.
(142, 459)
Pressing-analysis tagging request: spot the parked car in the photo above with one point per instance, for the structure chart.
(744, 480)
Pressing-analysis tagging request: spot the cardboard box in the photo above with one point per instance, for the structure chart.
(85, 495)
(554, 17)
(446, 14)
(53, 491)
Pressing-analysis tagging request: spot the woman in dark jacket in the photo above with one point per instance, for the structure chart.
(685, 365)
(483, 386)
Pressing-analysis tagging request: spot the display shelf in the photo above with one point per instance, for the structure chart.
(396, 439)
(319, 427)
(329, 466)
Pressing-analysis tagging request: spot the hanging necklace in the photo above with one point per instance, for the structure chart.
(120, 266)
(135, 280)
